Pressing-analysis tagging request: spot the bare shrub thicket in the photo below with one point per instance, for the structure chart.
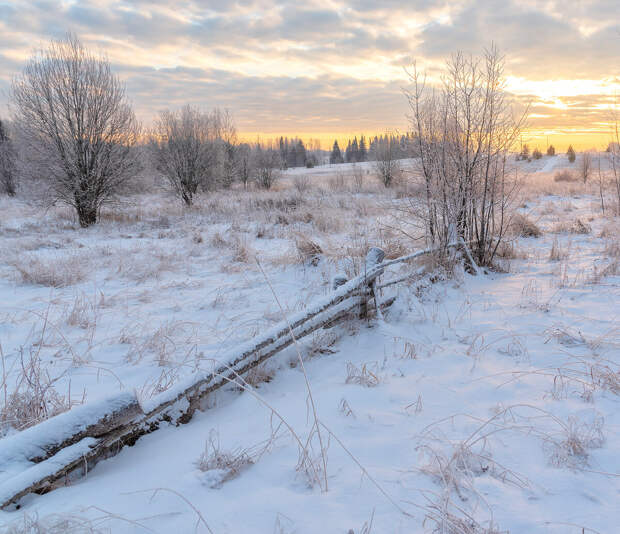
(585, 166)
(267, 163)
(185, 145)
(387, 164)
(464, 131)
(8, 170)
(614, 159)
(564, 176)
(78, 128)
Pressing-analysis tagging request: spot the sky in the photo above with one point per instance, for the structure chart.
(326, 69)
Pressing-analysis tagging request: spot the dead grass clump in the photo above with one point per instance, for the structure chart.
(612, 247)
(34, 397)
(308, 250)
(338, 183)
(558, 252)
(83, 313)
(572, 448)
(522, 226)
(598, 274)
(217, 241)
(572, 227)
(507, 250)
(242, 251)
(301, 183)
(260, 374)
(328, 221)
(59, 271)
(52, 524)
(221, 465)
(565, 176)
(393, 248)
(362, 377)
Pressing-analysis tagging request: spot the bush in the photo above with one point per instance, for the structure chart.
(565, 176)
(522, 226)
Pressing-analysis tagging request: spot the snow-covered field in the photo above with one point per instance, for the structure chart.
(487, 402)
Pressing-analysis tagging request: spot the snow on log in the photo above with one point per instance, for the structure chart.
(42, 476)
(41, 441)
(36, 459)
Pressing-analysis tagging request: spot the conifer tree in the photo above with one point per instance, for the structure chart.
(363, 150)
(336, 155)
(571, 154)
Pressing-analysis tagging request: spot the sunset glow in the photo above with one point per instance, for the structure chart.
(331, 70)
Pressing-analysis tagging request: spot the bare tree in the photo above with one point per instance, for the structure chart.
(78, 125)
(614, 159)
(8, 172)
(585, 166)
(464, 130)
(230, 152)
(387, 164)
(267, 163)
(244, 155)
(186, 148)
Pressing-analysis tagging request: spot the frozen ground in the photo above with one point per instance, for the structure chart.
(492, 397)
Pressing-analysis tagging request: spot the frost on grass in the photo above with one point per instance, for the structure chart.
(219, 465)
(571, 448)
(362, 376)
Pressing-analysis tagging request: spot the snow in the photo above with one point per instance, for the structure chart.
(496, 380)
(24, 479)
(17, 450)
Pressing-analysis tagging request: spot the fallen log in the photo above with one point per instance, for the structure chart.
(47, 455)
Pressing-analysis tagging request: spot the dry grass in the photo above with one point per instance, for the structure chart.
(308, 250)
(558, 252)
(362, 377)
(53, 524)
(571, 448)
(34, 396)
(576, 226)
(565, 175)
(222, 465)
(242, 251)
(55, 271)
(261, 374)
(522, 226)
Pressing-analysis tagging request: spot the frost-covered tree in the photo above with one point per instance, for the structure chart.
(550, 150)
(464, 132)
(8, 169)
(267, 164)
(185, 145)
(571, 154)
(585, 166)
(78, 127)
(336, 155)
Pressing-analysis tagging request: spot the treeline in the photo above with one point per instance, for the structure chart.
(74, 133)
(401, 147)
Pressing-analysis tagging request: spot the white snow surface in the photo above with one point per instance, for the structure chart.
(498, 379)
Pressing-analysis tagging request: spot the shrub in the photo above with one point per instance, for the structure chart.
(523, 226)
(564, 176)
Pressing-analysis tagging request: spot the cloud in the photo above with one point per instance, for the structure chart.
(315, 65)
